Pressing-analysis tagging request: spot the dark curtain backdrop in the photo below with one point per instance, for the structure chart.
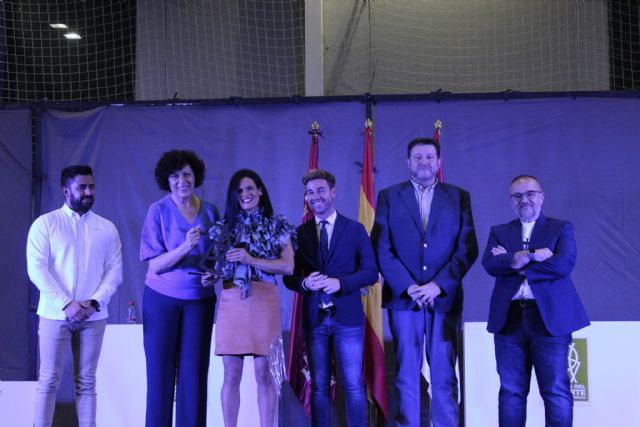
(585, 153)
(583, 150)
(122, 144)
(15, 219)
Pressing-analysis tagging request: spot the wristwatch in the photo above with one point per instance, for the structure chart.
(95, 304)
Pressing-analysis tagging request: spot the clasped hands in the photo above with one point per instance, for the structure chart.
(523, 257)
(78, 311)
(239, 255)
(424, 295)
(321, 282)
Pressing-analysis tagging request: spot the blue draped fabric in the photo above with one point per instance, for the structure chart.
(583, 151)
(122, 144)
(15, 220)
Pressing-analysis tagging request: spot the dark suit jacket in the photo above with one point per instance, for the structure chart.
(407, 255)
(550, 281)
(351, 260)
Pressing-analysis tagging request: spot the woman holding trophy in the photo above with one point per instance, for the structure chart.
(179, 299)
(248, 321)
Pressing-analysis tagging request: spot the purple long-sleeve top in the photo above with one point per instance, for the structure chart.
(164, 229)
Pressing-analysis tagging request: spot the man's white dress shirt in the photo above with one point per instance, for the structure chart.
(524, 291)
(331, 221)
(72, 257)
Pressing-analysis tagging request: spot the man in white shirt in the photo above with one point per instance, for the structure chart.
(74, 258)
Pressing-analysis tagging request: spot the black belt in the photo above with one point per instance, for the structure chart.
(524, 303)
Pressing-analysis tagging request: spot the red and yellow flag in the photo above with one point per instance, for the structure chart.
(298, 366)
(374, 364)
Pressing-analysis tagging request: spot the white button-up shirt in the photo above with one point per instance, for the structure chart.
(524, 291)
(331, 221)
(73, 258)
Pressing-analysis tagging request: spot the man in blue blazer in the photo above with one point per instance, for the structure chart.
(333, 261)
(534, 306)
(425, 243)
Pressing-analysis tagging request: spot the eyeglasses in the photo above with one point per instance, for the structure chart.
(528, 194)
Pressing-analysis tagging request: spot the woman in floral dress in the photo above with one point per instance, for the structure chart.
(248, 322)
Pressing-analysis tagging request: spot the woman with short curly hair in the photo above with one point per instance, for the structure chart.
(179, 300)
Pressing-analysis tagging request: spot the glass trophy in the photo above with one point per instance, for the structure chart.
(214, 259)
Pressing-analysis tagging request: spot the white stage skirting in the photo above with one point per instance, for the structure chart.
(613, 381)
(122, 382)
(613, 372)
(121, 386)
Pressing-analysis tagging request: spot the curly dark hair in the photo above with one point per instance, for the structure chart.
(232, 208)
(174, 160)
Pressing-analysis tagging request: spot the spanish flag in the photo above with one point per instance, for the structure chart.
(374, 364)
(298, 366)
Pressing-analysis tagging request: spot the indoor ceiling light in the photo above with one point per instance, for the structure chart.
(59, 26)
(72, 35)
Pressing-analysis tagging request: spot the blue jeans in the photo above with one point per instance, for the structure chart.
(348, 342)
(85, 340)
(523, 343)
(438, 334)
(177, 347)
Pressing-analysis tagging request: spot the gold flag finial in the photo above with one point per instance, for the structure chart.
(368, 123)
(315, 129)
(438, 125)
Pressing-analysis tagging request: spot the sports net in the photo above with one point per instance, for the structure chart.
(418, 46)
(38, 62)
(217, 49)
(624, 44)
(204, 49)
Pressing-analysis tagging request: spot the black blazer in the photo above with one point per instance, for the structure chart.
(351, 260)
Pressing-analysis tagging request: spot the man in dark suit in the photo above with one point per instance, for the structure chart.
(425, 243)
(534, 306)
(333, 261)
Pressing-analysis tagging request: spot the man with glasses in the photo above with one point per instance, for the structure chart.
(534, 306)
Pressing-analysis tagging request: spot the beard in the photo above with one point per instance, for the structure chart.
(318, 207)
(526, 212)
(423, 174)
(81, 204)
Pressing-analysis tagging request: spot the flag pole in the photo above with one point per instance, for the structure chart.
(374, 367)
(436, 137)
(298, 366)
